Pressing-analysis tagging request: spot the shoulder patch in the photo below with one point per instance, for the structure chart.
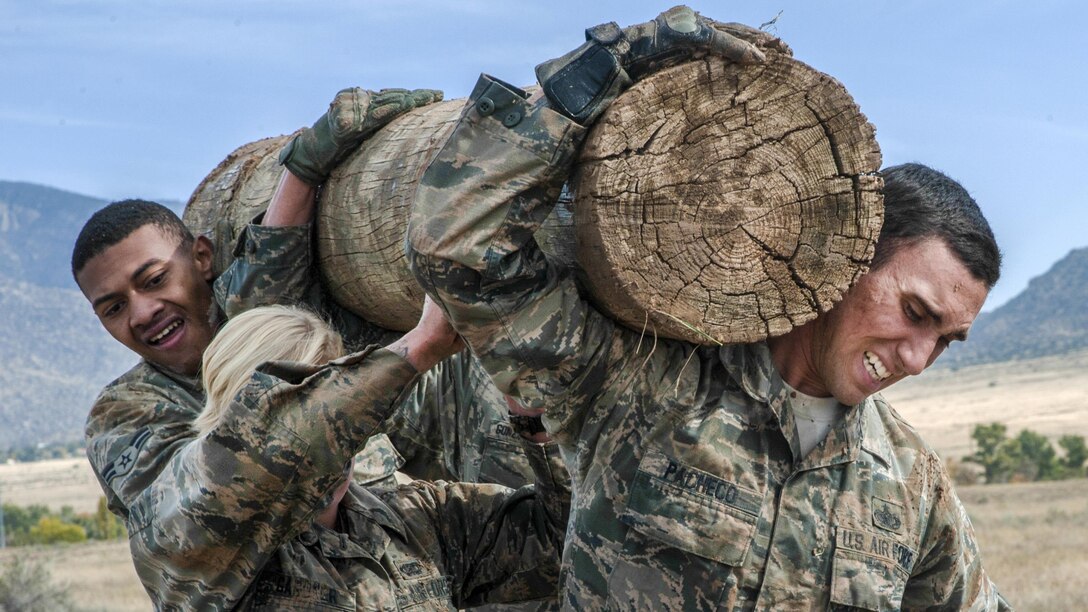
(122, 464)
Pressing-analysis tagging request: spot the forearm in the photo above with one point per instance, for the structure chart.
(227, 500)
(293, 202)
(471, 244)
(491, 185)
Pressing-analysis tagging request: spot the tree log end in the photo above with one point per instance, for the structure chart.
(717, 203)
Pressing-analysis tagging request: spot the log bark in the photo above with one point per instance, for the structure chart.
(712, 203)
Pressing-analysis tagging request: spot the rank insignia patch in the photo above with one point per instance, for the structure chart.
(887, 515)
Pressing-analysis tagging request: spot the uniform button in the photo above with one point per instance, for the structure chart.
(511, 119)
(251, 247)
(485, 106)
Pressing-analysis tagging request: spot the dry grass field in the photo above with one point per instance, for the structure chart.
(1034, 541)
(55, 483)
(1048, 396)
(99, 575)
(1033, 536)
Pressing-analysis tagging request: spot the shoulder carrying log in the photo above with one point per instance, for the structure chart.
(712, 203)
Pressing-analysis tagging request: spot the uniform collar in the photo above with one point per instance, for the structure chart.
(190, 384)
(752, 368)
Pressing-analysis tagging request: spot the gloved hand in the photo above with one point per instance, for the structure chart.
(353, 115)
(582, 83)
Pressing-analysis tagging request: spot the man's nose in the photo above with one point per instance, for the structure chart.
(917, 353)
(144, 310)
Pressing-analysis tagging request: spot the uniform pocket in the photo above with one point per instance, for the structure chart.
(502, 458)
(688, 529)
(691, 509)
(866, 571)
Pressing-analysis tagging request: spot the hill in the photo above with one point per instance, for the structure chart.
(56, 356)
(38, 226)
(1050, 317)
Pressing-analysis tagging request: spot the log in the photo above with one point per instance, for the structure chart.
(711, 203)
(718, 203)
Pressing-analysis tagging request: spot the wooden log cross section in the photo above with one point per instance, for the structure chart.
(712, 203)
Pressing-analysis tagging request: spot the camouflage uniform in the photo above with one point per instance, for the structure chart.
(454, 425)
(214, 518)
(687, 494)
(274, 265)
(425, 546)
(139, 444)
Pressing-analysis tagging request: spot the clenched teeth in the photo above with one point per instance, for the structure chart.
(169, 328)
(876, 367)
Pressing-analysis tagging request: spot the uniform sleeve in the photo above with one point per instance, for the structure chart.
(471, 247)
(205, 525)
(132, 431)
(495, 544)
(417, 430)
(275, 265)
(949, 574)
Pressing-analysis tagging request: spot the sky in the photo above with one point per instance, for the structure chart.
(116, 99)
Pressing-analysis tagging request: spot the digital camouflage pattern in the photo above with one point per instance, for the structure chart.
(686, 491)
(477, 442)
(204, 514)
(426, 546)
(139, 433)
(454, 426)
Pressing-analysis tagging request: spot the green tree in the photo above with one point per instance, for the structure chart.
(1037, 459)
(18, 522)
(992, 452)
(52, 530)
(1076, 453)
(102, 525)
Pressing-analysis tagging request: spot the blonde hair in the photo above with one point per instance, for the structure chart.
(266, 333)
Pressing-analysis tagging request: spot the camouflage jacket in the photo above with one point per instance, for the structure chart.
(426, 546)
(453, 426)
(686, 491)
(274, 265)
(205, 514)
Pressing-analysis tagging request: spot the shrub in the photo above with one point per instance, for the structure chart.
(27, 586)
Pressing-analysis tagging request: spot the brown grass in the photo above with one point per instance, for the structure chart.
(1033, 540)
(1048, 396)
(99, 575)
(54, 483)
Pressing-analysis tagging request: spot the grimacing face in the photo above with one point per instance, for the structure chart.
(893, 323)
(154, 295)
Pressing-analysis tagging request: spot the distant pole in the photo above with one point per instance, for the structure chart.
(3, 538)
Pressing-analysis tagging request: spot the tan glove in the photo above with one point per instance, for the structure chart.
(353, 115)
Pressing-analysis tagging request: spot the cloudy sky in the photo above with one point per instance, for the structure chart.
(115, 98)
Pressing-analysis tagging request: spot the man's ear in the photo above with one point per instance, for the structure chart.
(204, 257)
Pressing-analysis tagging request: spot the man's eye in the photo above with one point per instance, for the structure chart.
(912, 314)
(156, 280)
(112, 309)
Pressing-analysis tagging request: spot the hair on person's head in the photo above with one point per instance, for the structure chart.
(265, 333)
(921, 203)
(114, 222)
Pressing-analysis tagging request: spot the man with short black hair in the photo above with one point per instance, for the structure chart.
(767, 476)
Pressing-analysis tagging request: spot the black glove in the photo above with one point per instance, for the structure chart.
(582, 83)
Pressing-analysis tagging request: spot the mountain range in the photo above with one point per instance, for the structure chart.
(56, 356)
